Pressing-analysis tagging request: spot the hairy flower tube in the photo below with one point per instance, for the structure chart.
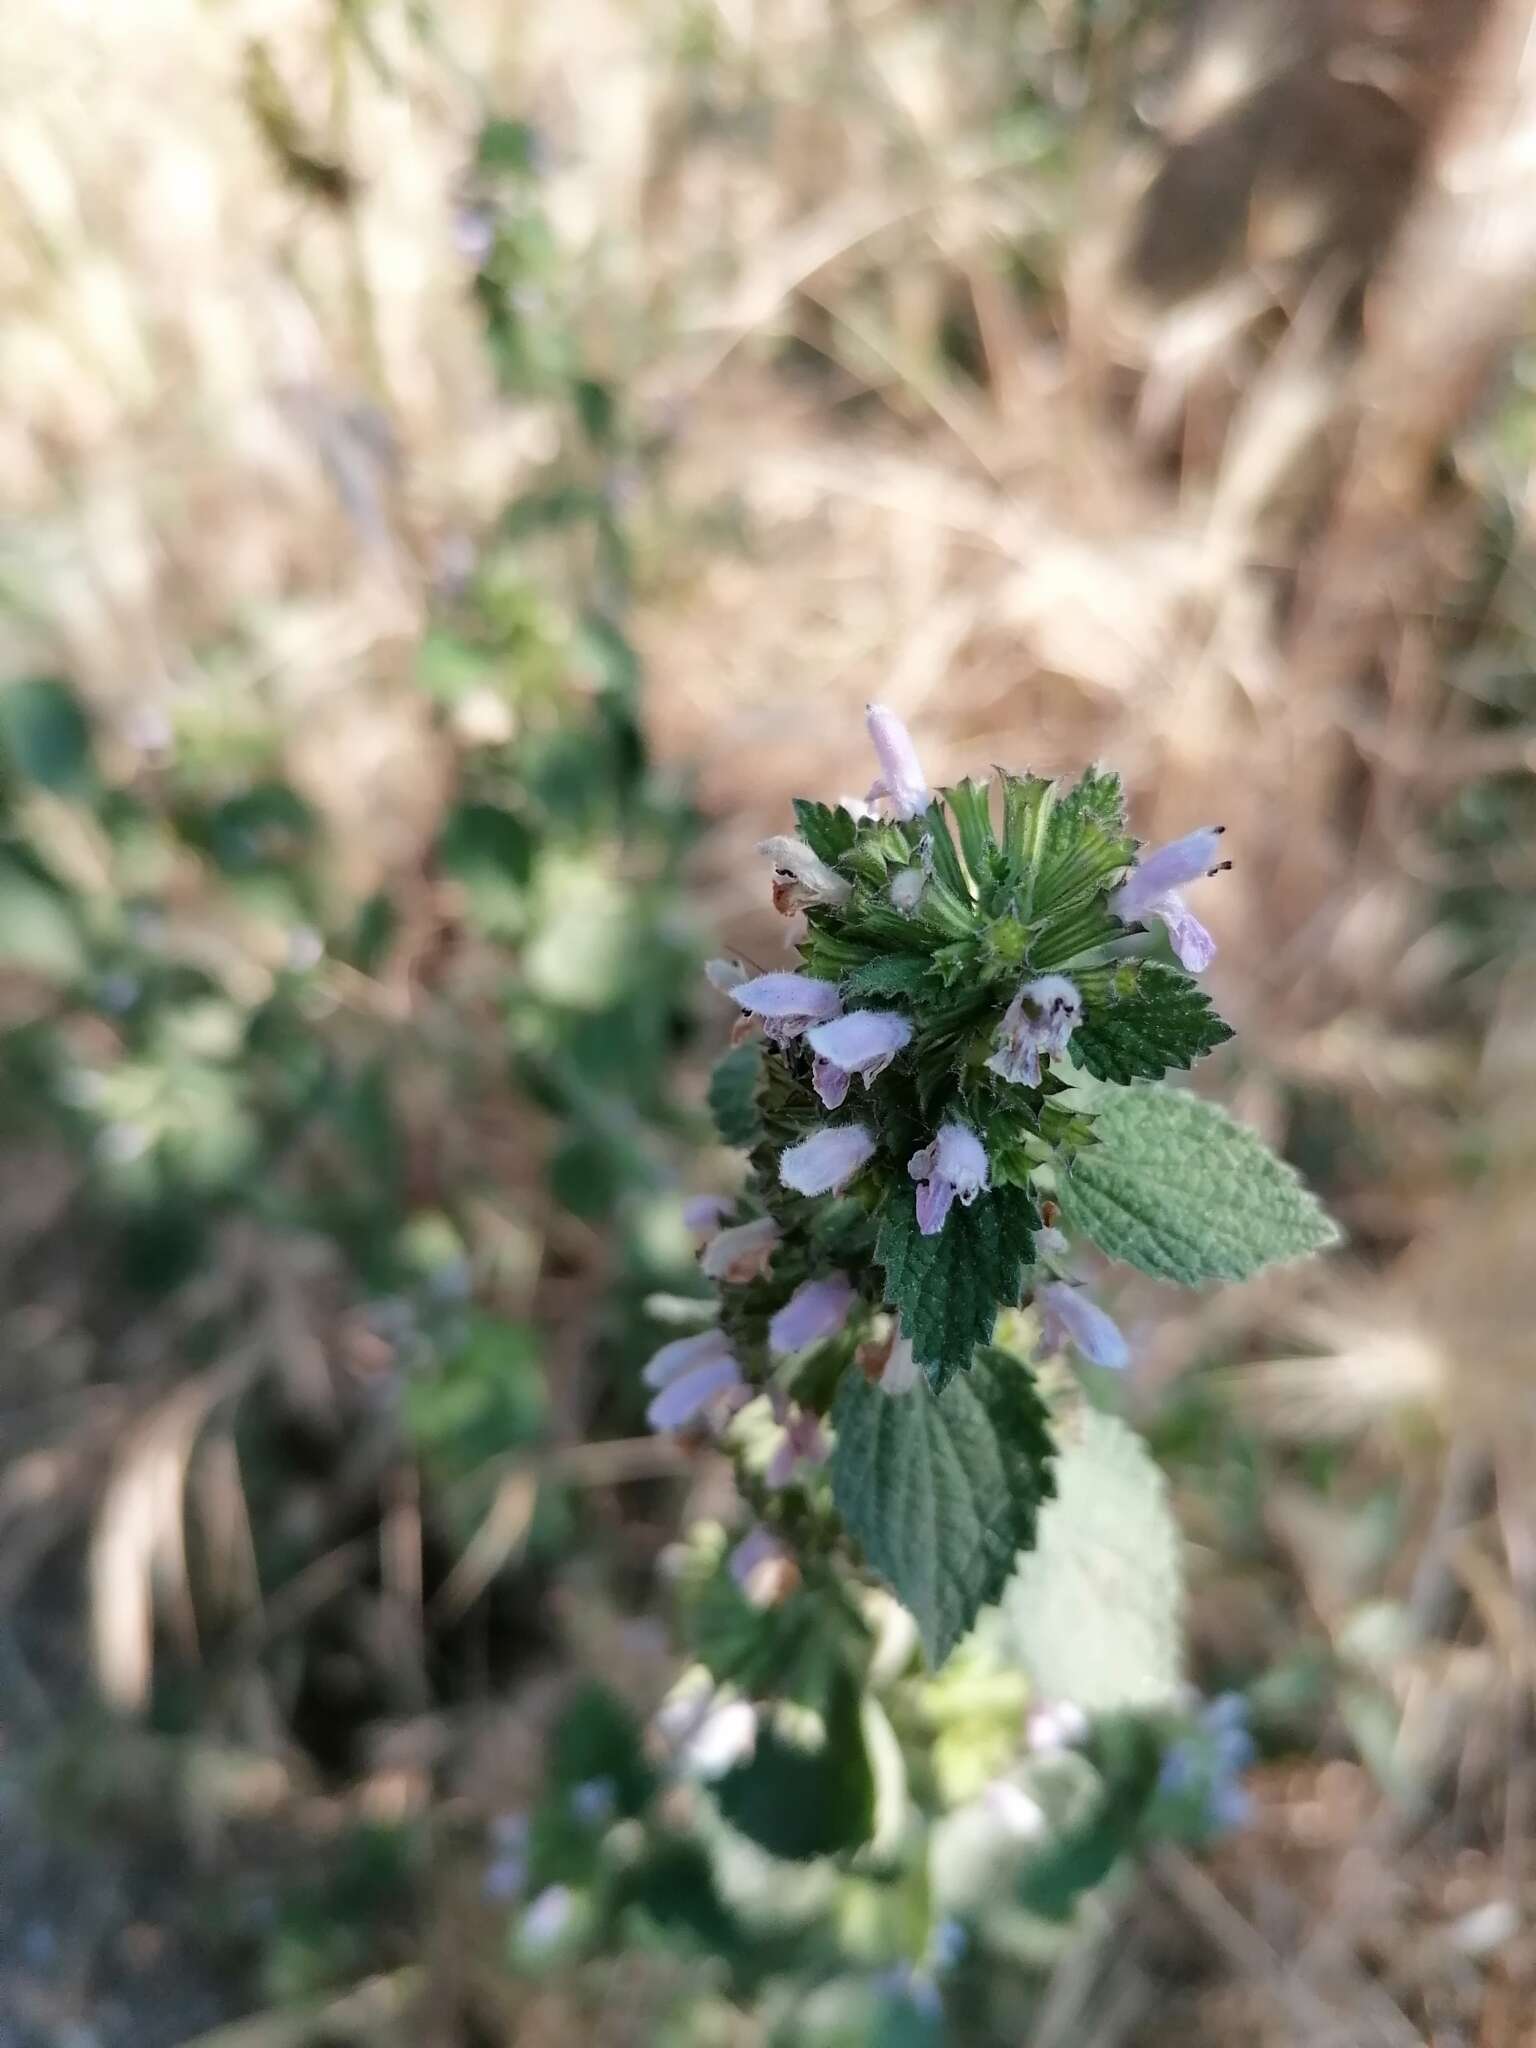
(862, 1043)
(1068, 1317)
(954, 1165)
(1151, 890)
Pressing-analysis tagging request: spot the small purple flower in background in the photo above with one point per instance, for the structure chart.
(864, 1042)
(816, 1309)
(906, 1984)
(1038, 1023)
(901, 780)
(787, 1004)
(507, 1872)
(1068, 1317)
(681, 1355)
(827, 1160)
(1210, 1763)
(762, 1567)
(948, 1944)
(474, 232)
(803, 1443)
(954, 1164)
(698, 1378)
(1151, 890)
(703, 1214)
(741, 1253)
(593, 1801)
(801, 878)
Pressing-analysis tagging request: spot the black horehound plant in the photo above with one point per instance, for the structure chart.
(960, 1083)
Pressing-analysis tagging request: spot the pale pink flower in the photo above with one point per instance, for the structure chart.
(955, 1163)
(901, 780)
(864, 1042)
(801, 878)
(741, 1253)
(816, 1309)
(1067, 1316)
(1151, 890)
(1038, 1022)
(787, 1004)
(827, 1160)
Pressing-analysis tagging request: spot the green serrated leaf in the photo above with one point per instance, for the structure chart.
(943, 1491)
(946, 861)
(1083, 847)
(1096, 794)
(829, 832)
(1150, 1019)
(1094, 1613)
(892, 974)
(802, 1798)
(1027, 805)
(949, 1288)
(733, 1094)
(1178, 1189)
(968, 801)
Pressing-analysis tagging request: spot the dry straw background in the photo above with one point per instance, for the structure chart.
(1208, 499)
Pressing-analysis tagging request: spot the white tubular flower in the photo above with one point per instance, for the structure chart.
(1037, 1024)
(954, 1164)
(763, 1568)
(1067, 1316)
(827, 1160)
(1151, 890)
(906, 890)
(816, 1309)
(703, 1214)
(741, 1253)
(682, 1355)
(901, 781)
(787, 1005)
(864, 1042)
(801, 878)
(703, 1393)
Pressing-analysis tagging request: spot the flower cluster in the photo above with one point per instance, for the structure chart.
(943, 990)
(973, 963)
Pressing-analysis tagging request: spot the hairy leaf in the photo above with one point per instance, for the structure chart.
(968, 802)
(828, 832)
(1175, 1187)
(1150, 1019)
(733, 1094)
(894, 974)
(942, 1491)
(1083, 847)
(949, 1288)
(1094, 1612)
